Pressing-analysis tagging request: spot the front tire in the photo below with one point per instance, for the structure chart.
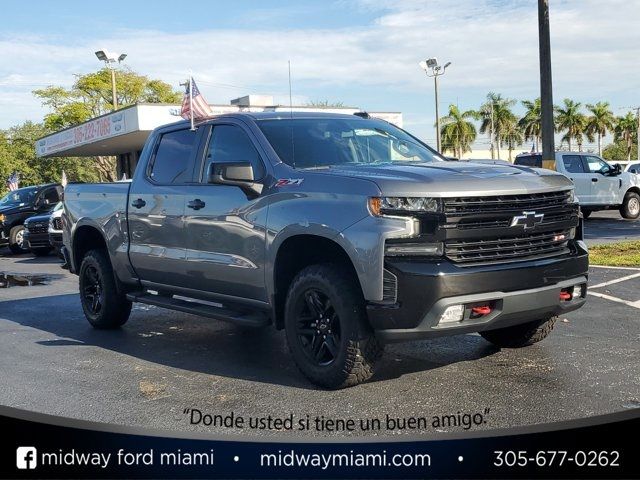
(327, 329)
(16, 240)
(103, 304)
(519, 336)
(630, 208)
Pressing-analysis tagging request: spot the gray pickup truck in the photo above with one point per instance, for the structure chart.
(345, 231)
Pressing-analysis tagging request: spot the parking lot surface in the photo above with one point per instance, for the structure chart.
(162, 362)
(608, 227)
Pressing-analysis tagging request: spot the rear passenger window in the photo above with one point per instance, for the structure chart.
(171, 161)
(231, 144)
(530, 161)
(573, 164)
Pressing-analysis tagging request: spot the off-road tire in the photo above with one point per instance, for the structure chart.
(519, 336)
(357, 347)
(14, 245)
(41, 251)
(114, 308)
(630, 208)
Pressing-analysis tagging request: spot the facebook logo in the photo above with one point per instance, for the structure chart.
(26, 458)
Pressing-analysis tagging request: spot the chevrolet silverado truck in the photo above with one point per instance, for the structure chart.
(598, 184)
(345, 231)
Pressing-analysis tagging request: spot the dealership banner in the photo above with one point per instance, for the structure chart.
(43, 446)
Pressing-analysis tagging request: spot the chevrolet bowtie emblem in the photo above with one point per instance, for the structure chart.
(527, 219)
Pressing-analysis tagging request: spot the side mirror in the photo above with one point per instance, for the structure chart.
(617, 168)
(239, 174)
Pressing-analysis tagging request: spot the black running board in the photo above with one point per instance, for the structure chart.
(244, 318)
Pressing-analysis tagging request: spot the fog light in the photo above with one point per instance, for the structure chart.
(452, 314)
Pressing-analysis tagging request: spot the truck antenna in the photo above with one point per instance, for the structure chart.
(293, 145)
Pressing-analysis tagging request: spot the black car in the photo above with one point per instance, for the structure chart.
(18, 205)
(36, 234)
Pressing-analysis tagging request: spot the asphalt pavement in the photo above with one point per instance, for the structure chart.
(608, 226)
(162, 362)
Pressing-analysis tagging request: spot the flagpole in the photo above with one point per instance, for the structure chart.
(191, 100)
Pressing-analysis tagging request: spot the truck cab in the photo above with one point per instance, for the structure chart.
(599, 185)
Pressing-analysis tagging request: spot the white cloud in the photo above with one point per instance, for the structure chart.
(492, 44)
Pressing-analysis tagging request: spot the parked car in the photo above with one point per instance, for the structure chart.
(36, 234)
(18, 205)
(55, 228)
(346, 232)
(633, 168)
(599, 185)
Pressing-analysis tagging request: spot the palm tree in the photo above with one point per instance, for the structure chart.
(625, 129)
(512, 137)
(600, 121)
(496, 116)
(531, 122)
(570, 119)
(457, 132)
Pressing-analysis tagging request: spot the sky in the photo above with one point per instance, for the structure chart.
(363, 53)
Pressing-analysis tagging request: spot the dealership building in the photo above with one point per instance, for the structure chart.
(122, 133)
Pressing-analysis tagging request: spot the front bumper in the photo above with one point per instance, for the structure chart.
(36, 240)
(517, 292)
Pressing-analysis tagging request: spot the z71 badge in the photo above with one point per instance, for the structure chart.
(285, 182)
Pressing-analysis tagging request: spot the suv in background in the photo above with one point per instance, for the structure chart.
(599, 185)
(23, 203)
(633, 168)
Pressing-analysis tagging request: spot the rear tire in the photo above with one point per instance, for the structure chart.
(630, 208)
(520, 336)
(41, 252)
(16, 240)
(327, 329)
(104, 305)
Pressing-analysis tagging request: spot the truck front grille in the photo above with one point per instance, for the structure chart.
(481, 230)
(519, 247)
(39, 227)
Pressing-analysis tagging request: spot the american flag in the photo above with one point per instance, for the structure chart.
(193, 103)
(13, 181)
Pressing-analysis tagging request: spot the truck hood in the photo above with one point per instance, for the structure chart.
(447, 179)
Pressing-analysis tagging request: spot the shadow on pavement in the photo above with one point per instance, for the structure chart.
(215, 348)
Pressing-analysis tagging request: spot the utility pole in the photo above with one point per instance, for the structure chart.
(114, 97)
(435, 83)
(546, 88)
(110, 59)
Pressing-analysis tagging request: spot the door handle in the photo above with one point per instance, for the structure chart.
(594, 179)
(196, 204)
(138, 203)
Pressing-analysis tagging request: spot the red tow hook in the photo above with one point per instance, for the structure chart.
(565, 296)
(481, 310)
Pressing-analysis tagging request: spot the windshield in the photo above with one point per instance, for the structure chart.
(20, 196)
(326, 142)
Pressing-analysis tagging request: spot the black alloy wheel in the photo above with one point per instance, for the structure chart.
(92, 290)
(318, 327)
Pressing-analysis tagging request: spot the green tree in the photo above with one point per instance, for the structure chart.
(618, 150)
(91, 95)
(625, 131)
(531, 122)
(600, 121)
(569, 119)
(512, 136)
(17, 153)
(457, 132)
(496, 119)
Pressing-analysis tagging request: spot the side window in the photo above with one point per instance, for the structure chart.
(51, 196)
(530, 161)
(171, 161)
(229, 143)
(597, 165)
(573, 164)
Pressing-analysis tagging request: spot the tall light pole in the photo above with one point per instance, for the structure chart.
(546, 89)
(433, 69)
(110, 59)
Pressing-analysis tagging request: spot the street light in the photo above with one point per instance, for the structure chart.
(433, 69)
(110, 58)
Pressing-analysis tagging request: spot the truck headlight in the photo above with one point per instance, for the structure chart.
(398, 205)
